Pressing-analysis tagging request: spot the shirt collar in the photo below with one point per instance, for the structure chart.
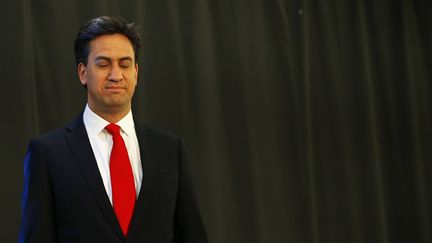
(95, 124)
(127, 124)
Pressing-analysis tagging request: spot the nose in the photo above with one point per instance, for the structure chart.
(116, 74)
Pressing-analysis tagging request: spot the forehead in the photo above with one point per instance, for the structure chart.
(113, 46)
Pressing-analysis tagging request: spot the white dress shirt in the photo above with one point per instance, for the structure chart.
(101, 143)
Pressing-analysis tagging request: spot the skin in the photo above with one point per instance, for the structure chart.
(111, 75)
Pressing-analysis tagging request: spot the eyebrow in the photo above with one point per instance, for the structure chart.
(109, 59)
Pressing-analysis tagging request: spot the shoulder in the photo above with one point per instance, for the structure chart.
(155, 132)
(57, 135)
(51, 135)
(154, 137)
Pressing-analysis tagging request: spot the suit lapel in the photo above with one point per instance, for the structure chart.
(148, 163)
(80, 145)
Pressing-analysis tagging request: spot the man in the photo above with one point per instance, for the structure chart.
(103, 177)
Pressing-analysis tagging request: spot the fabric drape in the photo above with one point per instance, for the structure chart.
(305, 120)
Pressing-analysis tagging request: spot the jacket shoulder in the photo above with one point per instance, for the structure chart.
(58, 134)
(158, 133)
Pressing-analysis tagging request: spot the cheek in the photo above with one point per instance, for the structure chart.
(131, 88)
(132, 79)
(94, 85)
(95, 78)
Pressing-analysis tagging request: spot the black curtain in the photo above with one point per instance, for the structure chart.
(306, 121)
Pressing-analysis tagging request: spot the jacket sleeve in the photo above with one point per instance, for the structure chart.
(37, 220)
(188, 224)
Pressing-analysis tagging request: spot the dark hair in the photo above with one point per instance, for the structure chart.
(104, 25)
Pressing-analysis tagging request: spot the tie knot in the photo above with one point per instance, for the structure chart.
(113, 129)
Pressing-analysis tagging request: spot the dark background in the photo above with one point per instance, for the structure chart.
(306, 121)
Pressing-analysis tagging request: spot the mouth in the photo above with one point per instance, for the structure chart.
(115, 89)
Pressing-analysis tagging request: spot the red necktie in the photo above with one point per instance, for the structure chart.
(122, 180)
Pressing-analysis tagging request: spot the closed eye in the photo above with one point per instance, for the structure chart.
(125, 63)
(102, 64)
(102, 61)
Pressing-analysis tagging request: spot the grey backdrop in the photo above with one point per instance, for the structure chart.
(306, 121)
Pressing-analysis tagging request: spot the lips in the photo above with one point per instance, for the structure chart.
(115, 90)
(115, 87)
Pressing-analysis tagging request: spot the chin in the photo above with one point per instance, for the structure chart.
(117, 103)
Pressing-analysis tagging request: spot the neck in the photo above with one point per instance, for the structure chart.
(111, 114)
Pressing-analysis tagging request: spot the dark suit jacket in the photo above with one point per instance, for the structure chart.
(64, 199)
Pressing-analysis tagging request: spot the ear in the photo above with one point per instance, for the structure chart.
(136, 73)
(82, 73)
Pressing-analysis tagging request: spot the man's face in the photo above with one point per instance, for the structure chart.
(110, 75)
